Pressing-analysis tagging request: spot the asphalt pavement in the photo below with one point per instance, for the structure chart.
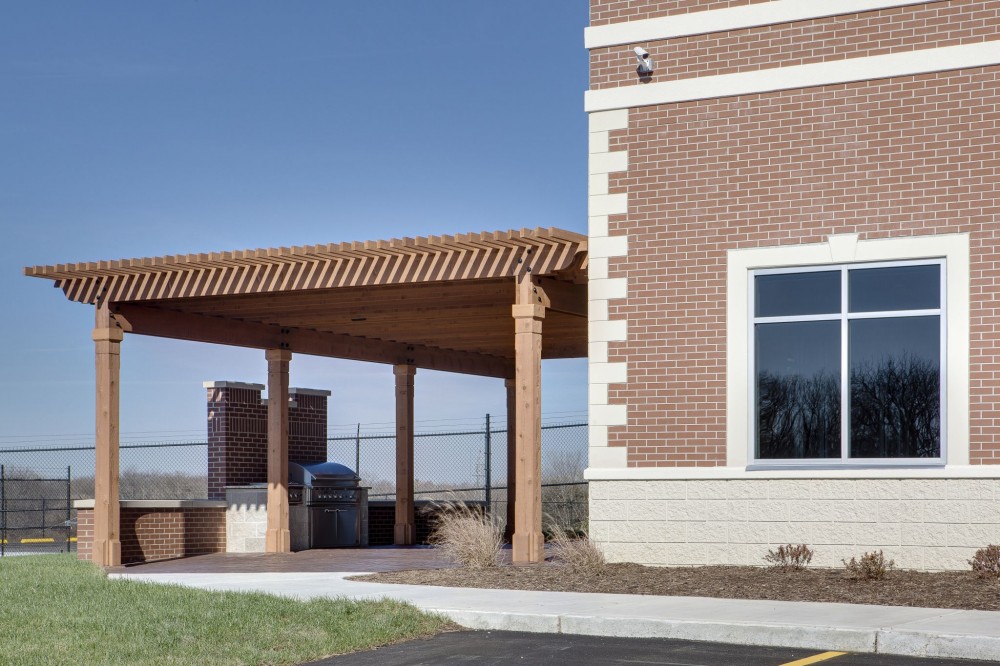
(495, 648)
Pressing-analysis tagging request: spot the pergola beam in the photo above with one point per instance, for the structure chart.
(186, 326)
(560, 296)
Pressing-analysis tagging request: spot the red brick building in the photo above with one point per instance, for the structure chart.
(794, 279)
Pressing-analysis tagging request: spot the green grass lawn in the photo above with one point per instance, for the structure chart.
(57, 610)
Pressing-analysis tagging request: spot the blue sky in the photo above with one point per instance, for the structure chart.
(139, 129)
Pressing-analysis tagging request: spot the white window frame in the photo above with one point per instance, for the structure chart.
(844, 317)
(842, 249)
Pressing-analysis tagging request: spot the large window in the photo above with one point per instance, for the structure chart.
(847, 363)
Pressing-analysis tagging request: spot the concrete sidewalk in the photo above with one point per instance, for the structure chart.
(918, 632)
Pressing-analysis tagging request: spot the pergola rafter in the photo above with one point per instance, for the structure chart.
(279, 270)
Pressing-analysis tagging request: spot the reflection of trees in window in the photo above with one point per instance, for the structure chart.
(896, 408)
(895, 412)
(798, 417)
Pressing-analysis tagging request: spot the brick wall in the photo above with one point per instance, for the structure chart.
(894, 30)
(382, 519)
(897, 157)
(675, 187)
(151, 534)
(85, 534)
(307, 426)
(237, 432)
(237, 436)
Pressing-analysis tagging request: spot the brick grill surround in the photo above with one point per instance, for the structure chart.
(237, 433)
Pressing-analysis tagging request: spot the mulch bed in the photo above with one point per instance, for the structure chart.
(952, 589)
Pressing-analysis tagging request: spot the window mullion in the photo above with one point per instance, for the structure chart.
(845, 388)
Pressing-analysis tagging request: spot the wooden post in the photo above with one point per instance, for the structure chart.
(278, 538)
(107, 335)
(404, 532)
(528, 545)
(508, 533)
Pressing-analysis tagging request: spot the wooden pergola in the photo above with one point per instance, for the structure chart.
(471, 304)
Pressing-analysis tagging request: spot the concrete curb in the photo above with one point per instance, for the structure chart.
(828, 638)
(927, 644)
(881, 641)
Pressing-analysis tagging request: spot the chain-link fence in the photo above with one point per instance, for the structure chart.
(471, 465)
(465, 463)
(35, 510)
(148, 470)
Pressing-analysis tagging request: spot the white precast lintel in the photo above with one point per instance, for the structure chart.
(729, 18)
(909, 63)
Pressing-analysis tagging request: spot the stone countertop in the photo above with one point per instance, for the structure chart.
(159, 504)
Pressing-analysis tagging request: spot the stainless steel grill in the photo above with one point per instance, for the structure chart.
(328, 508)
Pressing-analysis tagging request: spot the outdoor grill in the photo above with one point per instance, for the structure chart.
(328, 508)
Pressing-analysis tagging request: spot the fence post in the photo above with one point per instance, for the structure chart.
(3, 511)
(488, 487)
(69, 506)
(357, 451)
(43, 517)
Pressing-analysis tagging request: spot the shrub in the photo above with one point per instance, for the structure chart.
(576, 549)
(468, 535)
(986, 562)
(789, 557)
(871, 566)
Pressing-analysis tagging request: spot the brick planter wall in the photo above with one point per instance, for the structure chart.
(151, 533)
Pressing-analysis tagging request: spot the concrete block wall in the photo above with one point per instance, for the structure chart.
(246, 528)
(921, 523)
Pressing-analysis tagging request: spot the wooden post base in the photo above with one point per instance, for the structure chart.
(528, 548)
